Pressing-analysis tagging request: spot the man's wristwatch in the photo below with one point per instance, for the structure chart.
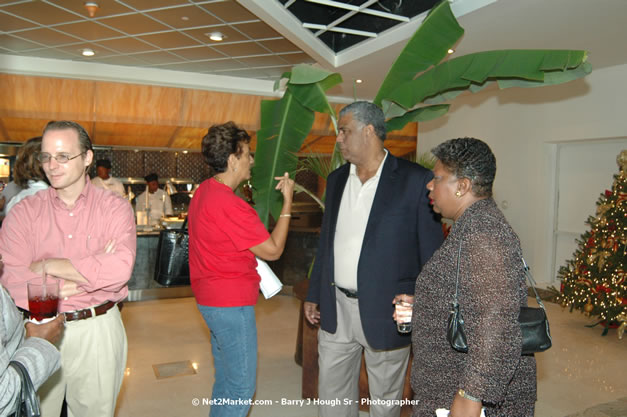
(463, 394)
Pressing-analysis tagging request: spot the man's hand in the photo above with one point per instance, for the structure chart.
(38, 267)
(50, 331)
(69, 289)
(312, 314)
(407, 308)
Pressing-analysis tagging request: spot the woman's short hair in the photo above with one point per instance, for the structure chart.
(469, 158)
(27, 166)
(220, 142)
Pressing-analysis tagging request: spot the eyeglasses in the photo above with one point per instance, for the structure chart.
(62, 158)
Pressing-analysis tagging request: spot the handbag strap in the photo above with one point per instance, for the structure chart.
(28, 394)
(184, 225)
(532, 282)
(526, 268)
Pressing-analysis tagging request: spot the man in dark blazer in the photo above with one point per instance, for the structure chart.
(378, 230)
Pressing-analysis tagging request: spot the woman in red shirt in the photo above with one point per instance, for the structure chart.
(225, 235)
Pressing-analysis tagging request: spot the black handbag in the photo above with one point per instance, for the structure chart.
(173, 257)
(534, 325)
(26, 403)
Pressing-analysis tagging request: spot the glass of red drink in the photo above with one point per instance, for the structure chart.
(43, 298)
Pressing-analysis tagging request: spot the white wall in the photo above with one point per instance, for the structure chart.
(523, 126)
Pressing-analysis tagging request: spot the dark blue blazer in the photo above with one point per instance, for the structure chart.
(401, 235)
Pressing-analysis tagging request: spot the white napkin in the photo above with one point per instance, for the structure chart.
(270, 284)
(443, 412)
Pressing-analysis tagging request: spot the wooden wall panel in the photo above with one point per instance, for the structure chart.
(138, 104)
(205, 108)
(123, 134)
(188, 138)
(45, 98)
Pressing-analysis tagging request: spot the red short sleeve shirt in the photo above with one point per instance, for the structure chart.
(222, 229)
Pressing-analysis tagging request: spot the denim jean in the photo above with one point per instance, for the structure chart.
(234, 348)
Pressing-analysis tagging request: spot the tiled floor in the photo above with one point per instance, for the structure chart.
(581, 371)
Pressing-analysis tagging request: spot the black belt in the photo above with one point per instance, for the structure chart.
(348, 293)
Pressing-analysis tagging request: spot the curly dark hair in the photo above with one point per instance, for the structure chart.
(27, 166)
(220, 142)
(469, 158)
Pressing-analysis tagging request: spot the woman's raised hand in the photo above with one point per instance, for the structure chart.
(286, 186)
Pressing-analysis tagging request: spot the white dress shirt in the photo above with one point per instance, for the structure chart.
(352, 220)
(158, 203)
(109, 184)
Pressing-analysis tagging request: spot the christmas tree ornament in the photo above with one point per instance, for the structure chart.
(594, 281)
(622, 319)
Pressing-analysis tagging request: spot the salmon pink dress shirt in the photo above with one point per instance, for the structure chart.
(42, 227)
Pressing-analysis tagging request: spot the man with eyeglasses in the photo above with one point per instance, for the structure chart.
(85, 237)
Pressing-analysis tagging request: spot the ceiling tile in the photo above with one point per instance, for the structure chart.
(258, 30)
(134, 24)
(240, 49)
(194, 16)
(10, 23)
(77, 49)
(153, 4)
(15, 44)
(48, 37)
(89, 31)
(198, 53)
(170, 40)
(127, 45)
(160, 57)
(229, 11)
(280, 45)
(231, 35)
(41, 12)
(107, 7)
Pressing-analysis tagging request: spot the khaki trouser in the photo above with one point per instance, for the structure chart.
(339, 361)
(93, 359)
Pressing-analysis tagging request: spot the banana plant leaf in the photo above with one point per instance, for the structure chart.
(460, 73)
(426, 48)
(285, 124)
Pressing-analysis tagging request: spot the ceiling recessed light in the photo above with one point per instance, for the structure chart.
(185, 18)
(88, 52)
(216, 36)
(359, 81)
(450, 51)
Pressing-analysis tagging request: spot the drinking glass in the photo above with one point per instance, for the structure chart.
(403, 316)
(43, 298)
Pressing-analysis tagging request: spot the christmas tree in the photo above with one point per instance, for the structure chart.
(594, 281)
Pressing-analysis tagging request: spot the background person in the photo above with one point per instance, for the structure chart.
(30, 344)
(225, 235)
(491, 291)
(86, 237)
(27, 172)
(154, 199)
(377, 232)
(103, 178)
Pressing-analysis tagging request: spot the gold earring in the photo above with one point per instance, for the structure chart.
(458, 193)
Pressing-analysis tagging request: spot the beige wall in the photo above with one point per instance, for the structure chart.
(523, 128)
